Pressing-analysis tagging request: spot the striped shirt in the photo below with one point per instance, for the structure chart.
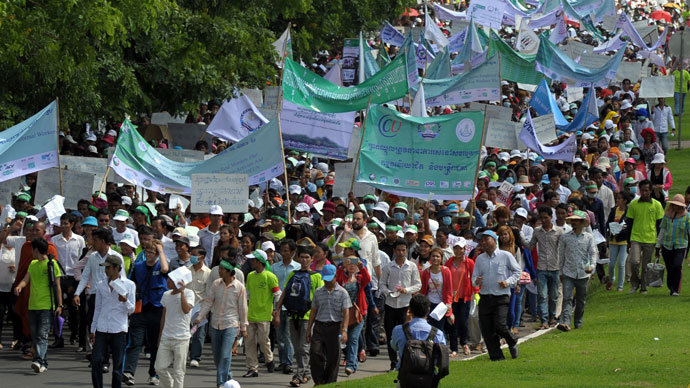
(673, 233)
(228, 303)
(577, 253)
(329, 305)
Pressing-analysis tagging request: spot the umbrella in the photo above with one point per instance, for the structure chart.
(658, 15)
(671, 5)
(410, 12)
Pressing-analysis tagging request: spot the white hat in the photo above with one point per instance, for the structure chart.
(626, 104)
(659, 159)
(518, 188)
(92, 149)
(521, 212)
(504, 83)
(587, 136)
(111, 133)
(231, 384)
(381, 225)
(70, 139)
(382, 206)
(266, 245)
(121, 215)
(295, 189)
(608, 124)
(91, 137)
(128, 240)
(323, 167)
(533, 156)
(302, 207)
(215, 210)
(126, 200)
(515, 153)
(460, 242)
(194, 240)
(504, 156)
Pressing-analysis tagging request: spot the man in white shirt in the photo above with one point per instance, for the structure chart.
(69, 247)
(604, 194)
(200, 277)
(662, 117)
(115, 300)
(555, 182)
(209, 236)
(121, 230)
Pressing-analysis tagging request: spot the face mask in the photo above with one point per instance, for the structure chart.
(292, 183)
(446, 221)
(416, 216)
(510, 180)
(573, 112)
(633, 190)
(319, 182)
(369, 206)
(591, 195)
(506, 104)
(194, 260)
(641, 118)
(399, 216)
(636, 157)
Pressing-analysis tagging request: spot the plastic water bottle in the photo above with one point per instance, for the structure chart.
(340, 341)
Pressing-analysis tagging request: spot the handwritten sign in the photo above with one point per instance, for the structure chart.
(545, 128)
(654, 87)
(255, 95)
(505, 193)
(343, 179)
(76, 185)
(271, 94)
(629, 70)
(229, 191)
(502, 134)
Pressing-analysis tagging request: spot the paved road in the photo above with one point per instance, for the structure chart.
(70, 369)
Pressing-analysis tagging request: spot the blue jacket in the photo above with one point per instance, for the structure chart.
(150, 285)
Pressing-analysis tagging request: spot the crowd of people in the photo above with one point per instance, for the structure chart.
(329, 281)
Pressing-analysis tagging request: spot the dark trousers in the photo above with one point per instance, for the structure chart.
(116, 342)
(325, 342)
(7, 300)
(493, 316)
(68, 285)
(603, 253)
(392, 318)
(83, 321)
(673, 258)
(459, 328)
(373, 326)
(147, 323)
(437, 324)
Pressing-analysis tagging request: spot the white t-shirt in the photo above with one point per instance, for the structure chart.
(435, 287)
(7, 258)
(117, 236)
(176, 323)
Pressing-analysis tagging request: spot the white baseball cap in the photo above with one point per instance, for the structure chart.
(461, 242)
(129, 241)
(521, 212)
(121, 215)
(126, 200)
(193, 240)
(302, 207)
(266, 245)
(295, 189)
(215, 210)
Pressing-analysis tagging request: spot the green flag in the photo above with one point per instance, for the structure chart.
(440, 66)
(515, 66)
(412, 156)
(305, 88)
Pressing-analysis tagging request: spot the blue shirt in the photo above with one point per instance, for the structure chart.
(151, 283)
(420, 330)
(500, 266)
(281, 271)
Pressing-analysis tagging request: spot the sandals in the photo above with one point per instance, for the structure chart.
(453, 354)
(466, 350)
(305, 379)
(295, 382)
(563, 327)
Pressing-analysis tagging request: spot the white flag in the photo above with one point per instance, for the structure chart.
(418, 107)
(432, 32)
(334, 75)
(528, 41)
(280, 46)
(560, 32)
(236, 119)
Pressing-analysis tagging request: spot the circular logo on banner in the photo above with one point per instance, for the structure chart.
(389, 126)
(465, 130)
(250, 121)
(143, 146)
(429, 131)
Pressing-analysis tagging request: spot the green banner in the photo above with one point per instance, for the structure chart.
(413, 156)
(305, 88)
(515, 66)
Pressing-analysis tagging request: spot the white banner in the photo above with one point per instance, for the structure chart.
(654, 87)
(487, 12)
(76, 185)
(236, 119)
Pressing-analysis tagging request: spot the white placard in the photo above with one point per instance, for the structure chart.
(355, 141)
(255, 95)
(76, 185)
(181, 275)
(229, 191)
(343, 179)
(178, 200)
(629, 70)
(488, 13)
(439, 312)
(493, 111)
(574, 93)
(119, 286)
(654, 87)
(501, 134)
(95, 166)
(545, 128)
(271, 94)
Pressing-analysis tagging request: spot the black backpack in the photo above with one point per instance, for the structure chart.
(417, 362)
(298, 289)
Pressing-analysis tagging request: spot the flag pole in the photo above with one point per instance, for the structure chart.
(280, 128)
(57, 107)
(479, 165)
(361, 141)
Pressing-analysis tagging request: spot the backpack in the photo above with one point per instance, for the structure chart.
(298, 289)
(417, 362)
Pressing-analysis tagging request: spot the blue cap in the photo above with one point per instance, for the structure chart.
(90, 221)
(78, 214)
(328, 272)
(177, 148)
(490, 233)
(642, 112)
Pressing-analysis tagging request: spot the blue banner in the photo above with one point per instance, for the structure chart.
(543, 103)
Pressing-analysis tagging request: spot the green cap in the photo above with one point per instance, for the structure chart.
(351, 243)
(401, 205)
(22, 214)
(24, 197)
(369, 197)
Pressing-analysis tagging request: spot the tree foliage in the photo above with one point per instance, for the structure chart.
(105, 58)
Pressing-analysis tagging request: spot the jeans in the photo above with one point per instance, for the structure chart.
(459, 328)
(298, 334)
(171, 362)
(196, 344)
(580, 288)
(116, 342)
(673, 258)
(619, 254)
(373, 326)
(679, 101)
(148, 323)
(221, 342)
(547, 289)
(518, 306)
(39, 327)
(7, 302)
(285, 349)
(640, 256)
(662, 139)
(353, 333)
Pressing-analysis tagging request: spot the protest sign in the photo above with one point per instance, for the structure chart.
(343, 179)
(505, 193)
(545, 128)
(229, 191)
(325, 134)
(255, 95)
(574, 93)
(164, 118)
(31, 145)
(76, 185)
(480, 84)
(95, 166)
(355, 141)
(502, 134)
(493, 111)
(350, 60)
(236, 119)
(411, 156)
(487, 12)
(654, 87)
(178, 200)
(187, 135)
(674, 45)
(271, 95)
(564, 151)
(9, 187)
(391, 35)
(629, 70)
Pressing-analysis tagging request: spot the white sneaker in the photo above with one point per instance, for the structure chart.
(36, 367)
(153, 380)
(194, 364)
(42, 369)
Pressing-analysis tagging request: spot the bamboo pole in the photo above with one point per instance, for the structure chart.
(280, 128)
(57, 105)
(479, 166)
(361, 141)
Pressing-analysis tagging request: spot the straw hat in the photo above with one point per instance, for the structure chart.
(523, 181)
(678, 200)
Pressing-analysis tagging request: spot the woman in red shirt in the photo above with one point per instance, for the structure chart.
(461, 268)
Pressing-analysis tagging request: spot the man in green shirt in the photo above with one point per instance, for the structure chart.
(298, 324)
(264, 293)
(41, 299)
(678, 92)
(643, 216)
